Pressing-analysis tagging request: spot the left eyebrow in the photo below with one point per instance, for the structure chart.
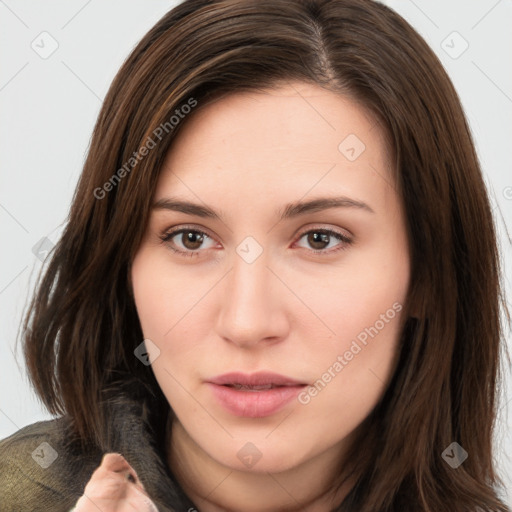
(289, 211)
(322, 203)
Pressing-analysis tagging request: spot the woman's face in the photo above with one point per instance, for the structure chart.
(312, 293)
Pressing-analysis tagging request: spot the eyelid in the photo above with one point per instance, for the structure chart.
(186, 227)
(345, 233)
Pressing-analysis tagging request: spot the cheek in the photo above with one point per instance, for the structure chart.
(357, 296)
(352, 372)
(361, 304)
(146, 279)
(170, 301)
(161, 300)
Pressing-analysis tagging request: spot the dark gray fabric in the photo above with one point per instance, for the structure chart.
(27, 486)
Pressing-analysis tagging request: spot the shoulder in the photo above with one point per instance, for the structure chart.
(40, 469)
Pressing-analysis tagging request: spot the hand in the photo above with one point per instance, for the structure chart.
(114, 487)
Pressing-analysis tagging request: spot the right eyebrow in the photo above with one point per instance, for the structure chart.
(187, 207)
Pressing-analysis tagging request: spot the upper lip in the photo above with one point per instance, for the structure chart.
(255, 379)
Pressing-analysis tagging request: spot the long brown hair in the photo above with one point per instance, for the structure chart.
(81, 329)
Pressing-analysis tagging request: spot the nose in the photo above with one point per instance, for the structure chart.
(253, 305)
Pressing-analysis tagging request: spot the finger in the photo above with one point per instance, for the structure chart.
(118, 464)
(113, 479)
(150, 506)
(114, 462)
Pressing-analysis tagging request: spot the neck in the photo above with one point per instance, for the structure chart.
(218, 488)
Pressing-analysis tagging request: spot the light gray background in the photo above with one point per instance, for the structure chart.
(49, 106)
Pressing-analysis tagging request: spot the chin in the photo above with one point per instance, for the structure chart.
(250, 458)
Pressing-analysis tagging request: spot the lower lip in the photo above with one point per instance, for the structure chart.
(254, 404)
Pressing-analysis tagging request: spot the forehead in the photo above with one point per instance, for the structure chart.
(291, 139)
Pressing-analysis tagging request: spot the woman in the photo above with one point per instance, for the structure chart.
(269, 293)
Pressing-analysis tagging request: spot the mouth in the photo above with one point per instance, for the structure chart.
(254, 396)
(243, 387)
(255, 382)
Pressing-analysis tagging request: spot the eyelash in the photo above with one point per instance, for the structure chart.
(166, 238)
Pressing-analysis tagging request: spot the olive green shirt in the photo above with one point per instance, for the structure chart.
(44, 468)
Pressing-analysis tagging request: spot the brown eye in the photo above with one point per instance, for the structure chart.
(187, 241)
(192, 240)
(320, 239)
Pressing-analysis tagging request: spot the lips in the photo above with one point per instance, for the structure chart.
(255, 381)
(254, 396)
(243, 387)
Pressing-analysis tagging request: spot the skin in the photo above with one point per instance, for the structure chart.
(290, 311)
(114, 487)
